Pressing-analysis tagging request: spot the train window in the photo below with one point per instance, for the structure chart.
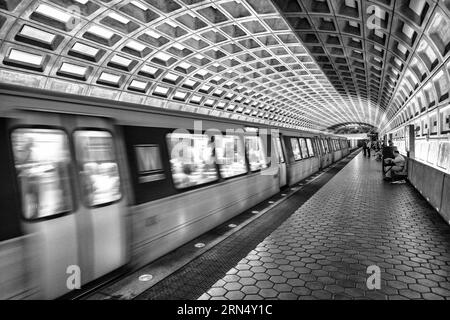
(444, 155)
(324, 145)
(149, 163)
(279, 151)
(296, 149)
(191, 159)
(98, 167)
(310, 147)
(255, 153)
(42, 160)
(320, 144)
(304, 148)
(230, 155)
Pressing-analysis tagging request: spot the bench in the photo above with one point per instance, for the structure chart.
(402, 175)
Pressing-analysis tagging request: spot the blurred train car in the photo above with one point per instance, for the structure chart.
(95, 186)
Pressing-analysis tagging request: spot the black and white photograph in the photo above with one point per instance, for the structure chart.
(265, 153)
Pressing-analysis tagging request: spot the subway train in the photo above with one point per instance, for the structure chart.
(92, 186)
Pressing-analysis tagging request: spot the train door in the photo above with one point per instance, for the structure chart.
(331, 149)
(103, 206)
(69, 190)
(319, 151)
(325, 152)
(281, 162)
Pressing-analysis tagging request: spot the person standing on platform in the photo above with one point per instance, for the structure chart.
(365, 147)
(369, 146)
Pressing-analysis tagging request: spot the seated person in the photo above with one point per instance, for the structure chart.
(379, 155)
(396, 164)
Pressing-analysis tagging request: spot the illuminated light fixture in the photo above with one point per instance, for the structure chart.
(202, 72)
(217, 79)
(150, 72)
(101, 32)
(221, 105)
(153, 34)
(74, 71)
(171, 78)
(24, 59)
(178, 46)
(139, 11)
(119, 22)
(209, 102)
(121, 19)
(180, 95)
(136, 48)
(153, 38)
(139, 5)
(171, 23)
(163, 59)
(161, 91)
(122, 63)
(101, 35)
(137, 85)
(184, 67)
(121, 60)
(190, 84)
(205, 88)
(38, 37)
(86, 52)
(54, 17)
(196, 99)
(110, 79)
(199, 60)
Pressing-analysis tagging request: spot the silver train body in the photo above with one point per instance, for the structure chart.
(146, 215)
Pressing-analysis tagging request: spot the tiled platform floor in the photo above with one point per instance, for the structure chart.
(323, 250)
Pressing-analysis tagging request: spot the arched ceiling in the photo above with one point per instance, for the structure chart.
(352, 128)
(307, 64)
(386, 53)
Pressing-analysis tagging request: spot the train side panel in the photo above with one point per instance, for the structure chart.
(163, 225)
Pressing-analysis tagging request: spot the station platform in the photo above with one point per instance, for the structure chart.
(324, 249)
(317, 243)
